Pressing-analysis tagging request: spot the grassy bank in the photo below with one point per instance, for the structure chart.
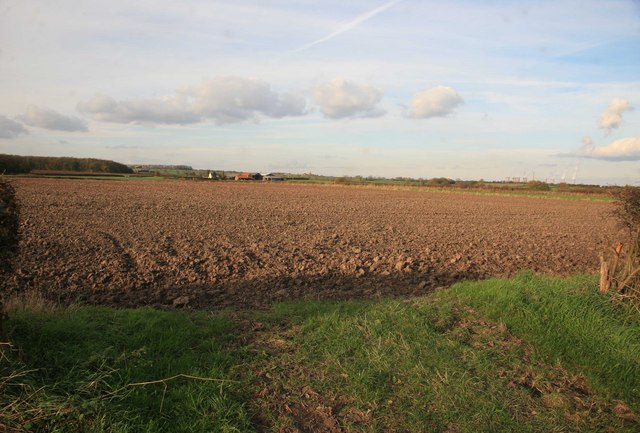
(525, 354)
(85, 368)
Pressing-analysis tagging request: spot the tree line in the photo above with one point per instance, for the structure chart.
(16, 164)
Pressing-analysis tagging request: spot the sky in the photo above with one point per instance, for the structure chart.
(547, 90)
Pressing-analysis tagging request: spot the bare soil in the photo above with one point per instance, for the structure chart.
(194, 244)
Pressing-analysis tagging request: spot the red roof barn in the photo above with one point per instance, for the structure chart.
(248, 176)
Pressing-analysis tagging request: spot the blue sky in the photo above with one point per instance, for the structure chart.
(462, 89)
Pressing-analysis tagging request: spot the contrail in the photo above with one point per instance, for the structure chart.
(347, 26)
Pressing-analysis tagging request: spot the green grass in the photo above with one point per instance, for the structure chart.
(475, 358)
(569, 322)
(570, 192)
(557, 195)
(525, 354)
(79, 362)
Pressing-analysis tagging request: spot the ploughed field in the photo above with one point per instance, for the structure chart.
(212, 244)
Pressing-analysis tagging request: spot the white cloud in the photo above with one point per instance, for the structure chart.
(625, 149)
(438, 101)
(172, 110)
(340, 99)
(234, 99)
(10, 128)
(50, 119)
(612, 118)
(222, 100)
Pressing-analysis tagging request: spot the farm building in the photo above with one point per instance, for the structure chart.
(272, 177)
(248, 176)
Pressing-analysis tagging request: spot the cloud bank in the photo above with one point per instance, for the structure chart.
(10, 128)
(339, 99)
(50, 119)
(221, 100)
(612, 117)
(625, 149)
(437, 101)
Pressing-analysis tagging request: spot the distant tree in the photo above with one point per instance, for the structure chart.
(440, 181)
(16, 164)
(468, 184)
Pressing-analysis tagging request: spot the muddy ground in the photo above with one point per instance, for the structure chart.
(194, 244)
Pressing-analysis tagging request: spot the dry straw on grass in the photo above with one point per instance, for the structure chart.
(33, 301)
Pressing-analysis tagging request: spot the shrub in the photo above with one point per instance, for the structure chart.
(8, 240)
(440, 181)
(622, 271)
(345, 180)
(538, 185)
(8, 224)
(628, 206)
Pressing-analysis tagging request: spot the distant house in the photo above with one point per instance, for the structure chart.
(272, 177)
(243, 176)
(248, 176)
